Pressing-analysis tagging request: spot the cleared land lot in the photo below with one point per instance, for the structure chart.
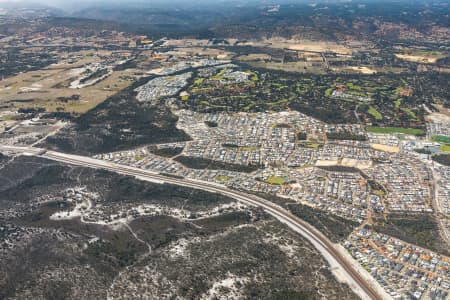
(428, 58)
(312, 46)
(297, 67)
(362, 70)
(48, 88)
(385, 148)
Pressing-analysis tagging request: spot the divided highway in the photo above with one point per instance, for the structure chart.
(345, 265)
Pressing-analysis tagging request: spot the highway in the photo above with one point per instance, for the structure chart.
(345, 265)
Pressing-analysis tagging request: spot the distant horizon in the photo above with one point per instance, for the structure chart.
(79, 4)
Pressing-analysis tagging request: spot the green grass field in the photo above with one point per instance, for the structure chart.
(445, 148)
(222, 178)
(442, 139)
(411, 131)
(409, 112)
(276, 180)
(310, 145)
(375, 113)
(328, 92)
(354, 87)
(253, 76)
(219, 76)
(199, 81)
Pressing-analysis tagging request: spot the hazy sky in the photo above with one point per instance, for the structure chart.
(80, 4)
(72, 5)
(86, 2)
(168, 2)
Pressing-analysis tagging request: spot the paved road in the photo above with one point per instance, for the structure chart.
(336, 259)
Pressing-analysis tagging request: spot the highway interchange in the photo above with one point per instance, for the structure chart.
(354, 275)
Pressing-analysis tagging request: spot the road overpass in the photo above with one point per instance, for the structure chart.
(345, 267)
